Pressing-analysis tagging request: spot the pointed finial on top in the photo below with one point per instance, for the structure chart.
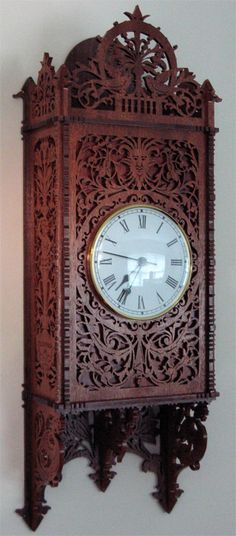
(136, 15)
(47, 60)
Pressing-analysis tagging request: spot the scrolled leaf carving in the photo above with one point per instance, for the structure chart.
(45, 265)
(111, 351)
(44, 459)
(44, 93)
(134, 70)
(48, 460)
(131, 70)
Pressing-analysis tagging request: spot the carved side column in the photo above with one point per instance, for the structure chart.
(43, 290)
(183, 441)
(43, 459)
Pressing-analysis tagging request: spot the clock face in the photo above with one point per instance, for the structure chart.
(140, 262)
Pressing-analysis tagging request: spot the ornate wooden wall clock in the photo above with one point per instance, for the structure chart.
(119, 262)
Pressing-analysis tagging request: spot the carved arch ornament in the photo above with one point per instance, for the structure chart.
(134, 70)
(119, 123)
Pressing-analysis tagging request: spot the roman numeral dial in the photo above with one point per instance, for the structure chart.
(172, 242)
(124, 224)
(142, 221)
(141, 305)
(171, 282)
(140, 262)
(176, 262)
(109, 281)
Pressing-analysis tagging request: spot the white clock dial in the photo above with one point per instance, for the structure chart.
(140, 262)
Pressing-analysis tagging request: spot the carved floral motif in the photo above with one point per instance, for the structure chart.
(113, 172)
(167, 438)
(183, 444)
(45, 264)
(44, 93)
(134, 70)
(78, 437)
(112, 430)
(47, 428)
(44, 460)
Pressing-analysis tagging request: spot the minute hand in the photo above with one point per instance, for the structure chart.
(126, 257)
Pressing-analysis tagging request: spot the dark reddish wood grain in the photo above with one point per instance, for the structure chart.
(44, 458)
(119, 123)
(156, 358)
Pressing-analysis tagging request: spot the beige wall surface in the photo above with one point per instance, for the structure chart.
(205, 33)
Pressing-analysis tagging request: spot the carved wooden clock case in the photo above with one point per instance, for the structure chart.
(118, 127)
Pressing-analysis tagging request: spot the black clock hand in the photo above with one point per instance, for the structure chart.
(126, 291)
(117, 255)
(144, 261)
(125, 279)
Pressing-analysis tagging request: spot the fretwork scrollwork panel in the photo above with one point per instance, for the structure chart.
(112, 353)
(43, 246)
(167, 439)
(118, 124)
(134, 71)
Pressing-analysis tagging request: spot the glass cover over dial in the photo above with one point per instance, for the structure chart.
(140, 262)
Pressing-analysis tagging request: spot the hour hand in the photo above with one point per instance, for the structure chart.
(124, 280)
